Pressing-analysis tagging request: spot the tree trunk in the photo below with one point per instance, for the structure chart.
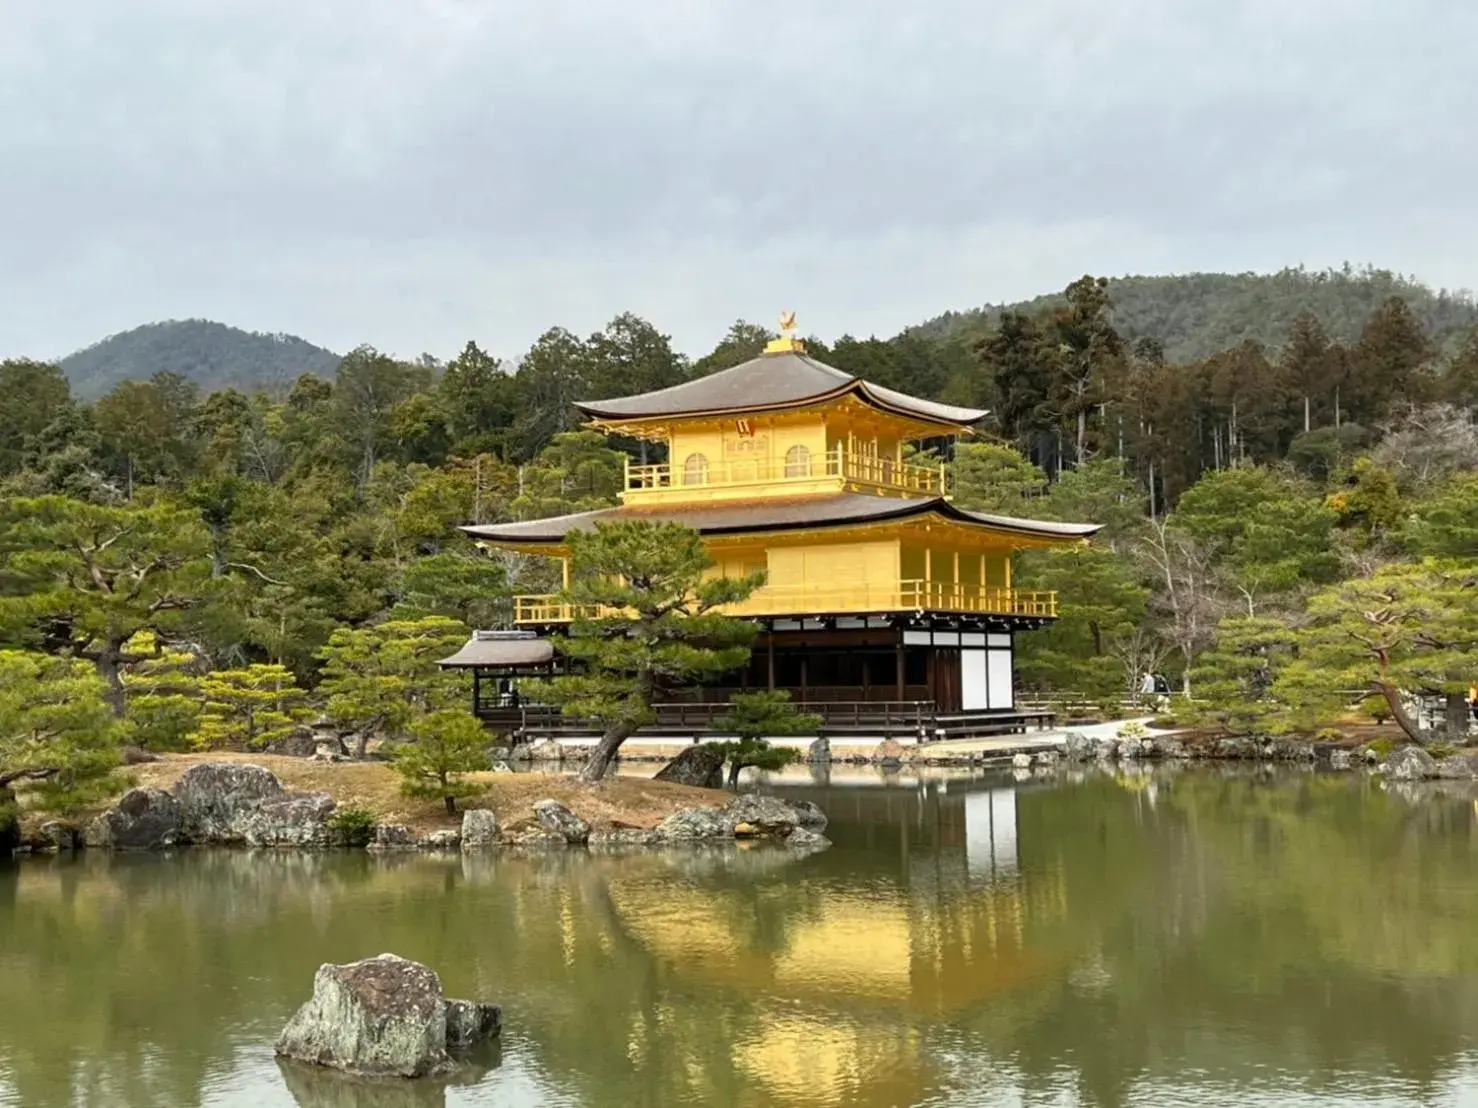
(734, 768)
(10, 824)
(604, 752)
(1399, 712)
(1456, 716)
(451, 805)
(110, 668)
(361, 744)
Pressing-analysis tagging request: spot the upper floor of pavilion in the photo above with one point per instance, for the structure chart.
(780, 425)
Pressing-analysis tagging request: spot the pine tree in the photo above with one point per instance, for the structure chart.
(58, 737)
(1407, 628)
(379, 678)
(248, 708)
(1234, 680)
(755, 717)
(647, 625)
(446, 745)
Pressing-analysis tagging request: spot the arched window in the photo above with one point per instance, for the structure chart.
(695, 470)
(798, 461)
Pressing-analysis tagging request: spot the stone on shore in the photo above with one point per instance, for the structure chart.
(701, 766)
(1077, 747)
(143, 819)
(819, 752)
(392, 836)
(289, 820)
(213, 797)
(769, 815)
(530, 832)
(550, 750)
(1410, 763)
(1341, 759)
(446, 840)
(61, 837)
(384, 1017)
(889, 752)
(555, 817)
(479, 829)
(1454, 767)
(693, 825)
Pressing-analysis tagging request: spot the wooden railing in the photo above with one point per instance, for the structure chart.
(852, 466)
(804, 600)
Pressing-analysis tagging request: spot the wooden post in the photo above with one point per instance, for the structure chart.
(898, 650)
(928, 574)
(564, 569)
(804, 676)
(958, 592)
(770, 656)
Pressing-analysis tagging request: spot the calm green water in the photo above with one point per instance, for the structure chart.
(1197, 940)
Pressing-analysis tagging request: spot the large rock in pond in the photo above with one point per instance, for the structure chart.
(819, 752)
(554, 816)
(1410, 763)
(214, 796)
(479, 829)
(383, 1017)
(701, 766)
(143, 819)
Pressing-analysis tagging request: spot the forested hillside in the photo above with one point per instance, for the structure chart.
(1196, 314)
(211, 355)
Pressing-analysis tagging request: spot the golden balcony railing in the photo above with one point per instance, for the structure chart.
(828, 599)
(853, 467)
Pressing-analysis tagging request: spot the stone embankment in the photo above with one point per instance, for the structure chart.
(240, 804)
(1406, 763)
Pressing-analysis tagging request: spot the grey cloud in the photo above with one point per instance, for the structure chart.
(387, 169)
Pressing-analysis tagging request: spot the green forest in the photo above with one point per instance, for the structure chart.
(1291, 526)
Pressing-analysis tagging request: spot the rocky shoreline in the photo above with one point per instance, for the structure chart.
(237, 804)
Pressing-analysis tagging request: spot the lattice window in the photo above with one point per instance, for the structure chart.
(695, 470)
(798, 461)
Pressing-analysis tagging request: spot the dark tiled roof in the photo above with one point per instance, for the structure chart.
(838, 509)
(771, 381)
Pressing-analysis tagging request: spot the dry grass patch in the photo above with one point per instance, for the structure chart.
(632, 801)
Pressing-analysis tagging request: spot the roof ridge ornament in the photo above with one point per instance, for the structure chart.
(786, 343)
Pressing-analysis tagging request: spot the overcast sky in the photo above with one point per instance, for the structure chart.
(414, 173)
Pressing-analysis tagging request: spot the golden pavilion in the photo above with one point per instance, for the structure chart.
(886, 607)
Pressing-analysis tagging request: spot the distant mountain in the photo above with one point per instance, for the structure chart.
(212, 355)
(1197, 314)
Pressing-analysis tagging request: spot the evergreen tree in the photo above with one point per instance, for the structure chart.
(1406, 628)
(755, 717)
(378, 679)
(988, 477)
(647, 625)
(248, 708)
(446, 745)
(83, 579)
(58, 736)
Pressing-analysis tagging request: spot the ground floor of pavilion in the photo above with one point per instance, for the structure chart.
(918, 677)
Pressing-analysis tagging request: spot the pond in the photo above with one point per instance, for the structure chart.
(1197, 938)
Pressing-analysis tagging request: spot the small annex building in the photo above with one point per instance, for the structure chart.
(886, 608)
